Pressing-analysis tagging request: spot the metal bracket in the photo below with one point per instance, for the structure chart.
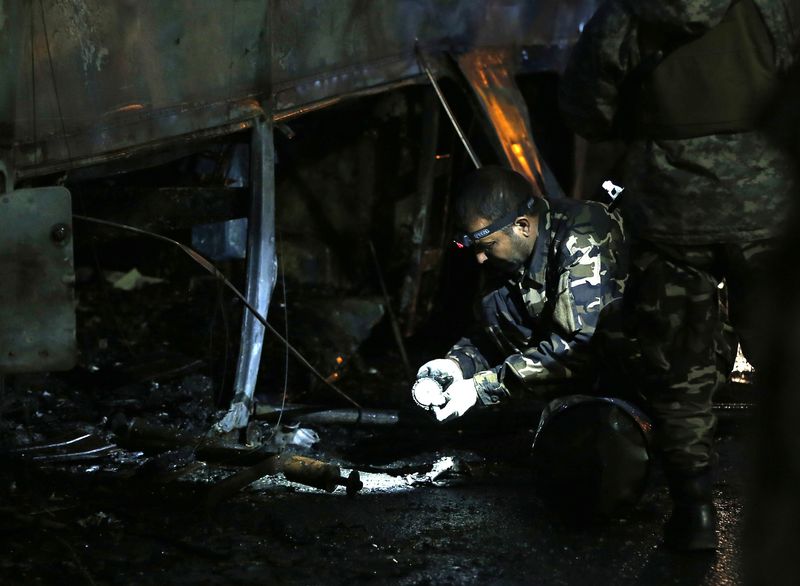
(37, 299)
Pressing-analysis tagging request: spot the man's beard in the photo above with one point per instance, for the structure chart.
(519, 257)
(504, 266)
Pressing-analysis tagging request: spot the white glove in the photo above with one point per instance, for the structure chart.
(460, 396)
(443, 370)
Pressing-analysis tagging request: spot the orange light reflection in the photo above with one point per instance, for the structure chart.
(489, 75)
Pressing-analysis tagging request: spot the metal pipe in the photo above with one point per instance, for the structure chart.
(326, 416)
(424, 66)
(300, 469)
(139, 434)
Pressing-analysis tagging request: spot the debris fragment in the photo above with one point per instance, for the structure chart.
(131, 280)
(446, 471)
(298, 469)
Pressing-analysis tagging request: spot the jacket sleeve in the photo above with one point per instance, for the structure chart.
(589, 91)
(592, 274)
(467, 354)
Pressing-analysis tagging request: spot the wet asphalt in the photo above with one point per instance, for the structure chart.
(479, 522)
(490, 528)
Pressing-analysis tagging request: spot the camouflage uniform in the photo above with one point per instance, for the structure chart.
(547, 323)
(705, 208)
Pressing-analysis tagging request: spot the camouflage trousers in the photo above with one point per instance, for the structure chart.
(683, 328)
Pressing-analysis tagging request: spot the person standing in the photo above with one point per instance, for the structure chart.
(684, 83)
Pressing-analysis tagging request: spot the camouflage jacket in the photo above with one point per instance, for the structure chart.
(539, 326)
(702, 190)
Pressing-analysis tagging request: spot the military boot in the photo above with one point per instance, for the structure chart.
(693, 523)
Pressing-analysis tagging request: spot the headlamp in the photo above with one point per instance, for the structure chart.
(468, 239)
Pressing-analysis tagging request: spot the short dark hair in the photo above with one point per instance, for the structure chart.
(492, 192)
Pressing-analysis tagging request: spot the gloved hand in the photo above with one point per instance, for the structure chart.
(443, 370)
(460, 397)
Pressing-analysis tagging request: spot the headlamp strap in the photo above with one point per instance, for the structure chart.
(470, 238)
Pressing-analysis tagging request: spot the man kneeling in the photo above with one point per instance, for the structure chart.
(559, 273)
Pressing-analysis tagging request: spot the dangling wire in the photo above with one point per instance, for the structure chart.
(55, 84)
(423, 64)
(286, 336)
(33, 89)
(207, 265)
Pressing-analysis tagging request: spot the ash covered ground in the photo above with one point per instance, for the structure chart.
(452, 505)
(84, 504)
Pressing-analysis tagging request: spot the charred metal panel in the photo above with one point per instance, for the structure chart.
(91, 80)
(358, 44)
(37, 301)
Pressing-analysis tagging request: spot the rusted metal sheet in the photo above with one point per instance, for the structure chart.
(89, 80)
(491, 77)
(356, 43)
(92, 79)
(37, 304)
